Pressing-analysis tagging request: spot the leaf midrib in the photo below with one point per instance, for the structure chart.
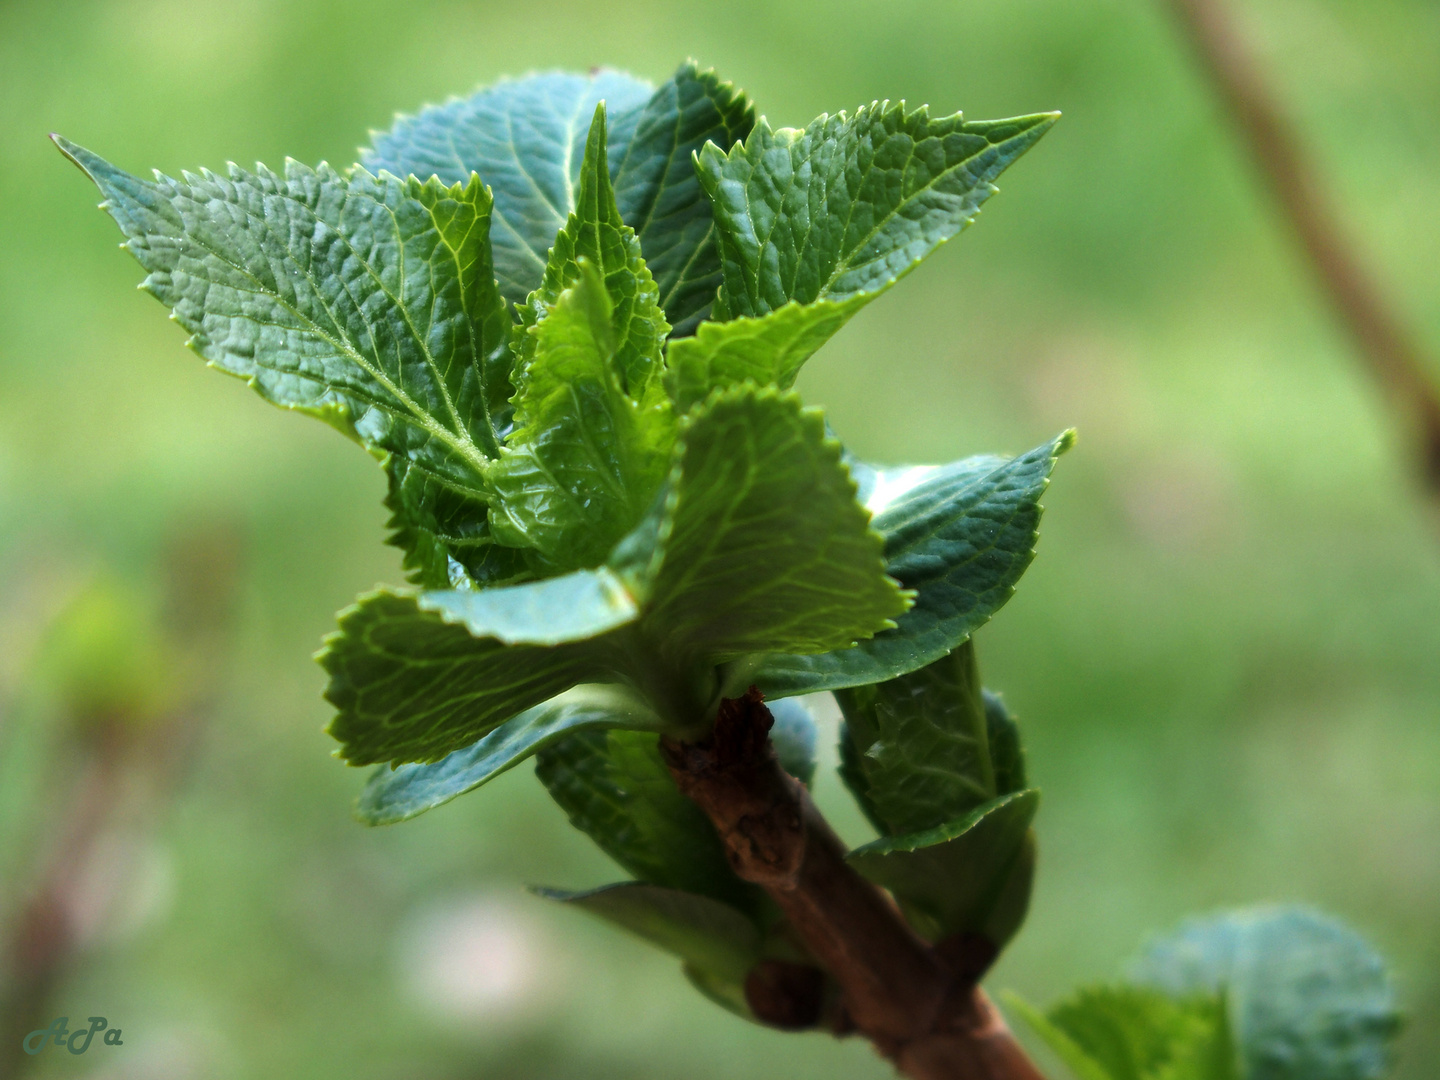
(459, 441)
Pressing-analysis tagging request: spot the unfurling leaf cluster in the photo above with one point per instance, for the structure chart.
(565, 315)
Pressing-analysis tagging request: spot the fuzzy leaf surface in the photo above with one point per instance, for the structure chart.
(415, 677)
(659, 195)
(705, 933)
(526, 139)
(404, 792)
(365, 301)
(960, 538)
(585, 460)
(767, 548)
(970, 876)
(1309, 999)
(615, 788)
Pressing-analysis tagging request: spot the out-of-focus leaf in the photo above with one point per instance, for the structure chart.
(705, 933)
(616, 789)
(1129, 1033)
(526, 139)
(415, 677)
(398, 794)
(767, 548)
(970, 876)
(1309, 999)
(729, 994)
(105, 658)
(365, 301)
(1065, 1048)
(794, 736)
(961, 541)
(659, 195)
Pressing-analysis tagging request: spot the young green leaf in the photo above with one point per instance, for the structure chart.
(852, 202)
(525, 138)
(596, 233)
(660, 196)
(1309, 999)
(1064, 1047)
(365, 301)
(921, 742)
(616, 789)
(586, 459)
(768, 350)
(415, 677)
(830, 217)
(403, 792)
(961, 542)
(767, 548)
(705, 933)
(971, 876)
(1126, 1033)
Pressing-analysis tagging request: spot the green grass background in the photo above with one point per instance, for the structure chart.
(1226, 656)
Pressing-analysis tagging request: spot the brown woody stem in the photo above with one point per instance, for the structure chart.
(927, 1017)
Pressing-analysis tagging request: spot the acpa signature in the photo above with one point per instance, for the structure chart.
(77, 1041)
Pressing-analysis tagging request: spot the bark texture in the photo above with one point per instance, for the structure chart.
(920, 1010)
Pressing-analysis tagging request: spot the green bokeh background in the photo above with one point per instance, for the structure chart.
(1226, 657)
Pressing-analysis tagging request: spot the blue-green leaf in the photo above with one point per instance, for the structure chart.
(660, 196)
(401, 793)
(525, 137)
(766, 547)
(705, 933)
(921, 744)
(960, 537)
(969, 876)
(1309, 999)
(794, 736)
(415, 677)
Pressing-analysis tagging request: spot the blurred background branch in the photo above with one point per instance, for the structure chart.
(131, 687)
(1393, 355)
